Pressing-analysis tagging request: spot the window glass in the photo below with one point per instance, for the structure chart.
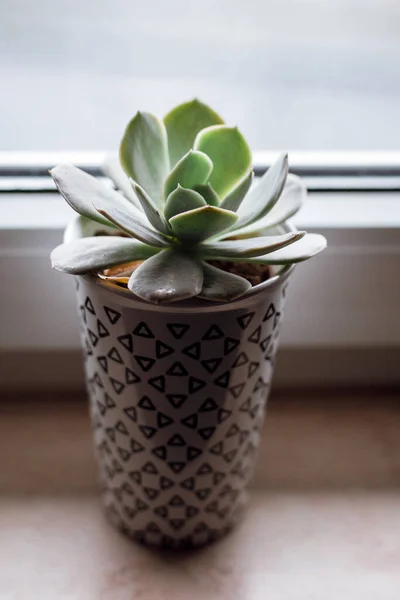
(293, 74)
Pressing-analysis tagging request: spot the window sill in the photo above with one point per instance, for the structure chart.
(315, 517)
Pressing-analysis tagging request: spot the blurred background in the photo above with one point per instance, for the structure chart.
(293, 74)
(319, 78)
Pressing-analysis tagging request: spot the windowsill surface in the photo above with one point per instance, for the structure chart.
(323, 519)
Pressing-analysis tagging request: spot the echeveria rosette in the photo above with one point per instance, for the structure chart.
(185, 197)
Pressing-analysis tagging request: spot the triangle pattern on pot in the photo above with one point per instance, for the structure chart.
(193, 351)
(177, 400)
(113, 315)
(171, 411)
(163, 350)
(114, 355)
(213, 333)
(158, 383)
(143, 330)
(144, 362)
(245, 320)
(178, 330)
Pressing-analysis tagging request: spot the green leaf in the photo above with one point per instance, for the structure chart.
(234, 199)
(308, 246)
(229, 153)
(265, 195)
(291, 200)
(193, 169)
(152, 213)
(92, 254)
(144, 154)
(182, 200)
(183, 123)
(79, 189)
(208, 193)
(202, 223)
(112, 168)
(220, 286)
(250, 247)
(127, 217)
(168, 277)
(127, 222)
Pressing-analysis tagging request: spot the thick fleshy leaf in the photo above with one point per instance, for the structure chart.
(152, 213)
(234, 199)
(182, 200)
(220, 286)
(247, 248)
(264, 196)
(126, 221)
(202, 223)
(229, 153)
(308, 246)
(88, 255)
(291, 200)
(168, 277)
(79, 189)
(144, 153)
(208, 193)
(112, 168)
(193, 169)
(183, 123)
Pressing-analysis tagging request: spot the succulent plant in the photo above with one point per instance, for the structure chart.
(185, 197)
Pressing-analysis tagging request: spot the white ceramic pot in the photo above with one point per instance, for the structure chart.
(177, 398)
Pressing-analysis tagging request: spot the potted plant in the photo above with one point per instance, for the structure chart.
(181, 279)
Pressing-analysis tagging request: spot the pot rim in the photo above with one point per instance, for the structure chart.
(129, 299)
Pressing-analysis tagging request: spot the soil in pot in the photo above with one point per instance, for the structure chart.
(254, 273)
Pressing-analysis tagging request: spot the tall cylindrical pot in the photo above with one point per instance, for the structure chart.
(177, 399)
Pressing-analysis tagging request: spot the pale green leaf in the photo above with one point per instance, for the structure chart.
(308, 246)
(144, 154)
(202, 223)
(112, 168)
(193, 169)
(168, 277)
(291, 200)
(152, 213)
(79, 189)
(182, 200)
(264, 196)
(208, 193)
(235, 197)
(220, 286)
(127, 222)
(183, 123)
(249, 247)
(229, 153)
(93, 254)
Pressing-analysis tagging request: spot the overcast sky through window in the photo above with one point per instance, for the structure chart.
(293, 74)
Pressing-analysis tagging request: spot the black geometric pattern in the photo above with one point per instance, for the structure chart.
(177, 406)
(115, 355)
(113, 315)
